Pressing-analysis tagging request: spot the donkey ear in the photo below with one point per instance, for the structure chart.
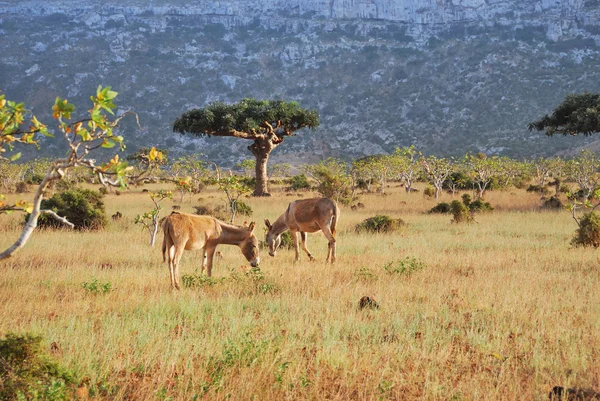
(268, 223)
(251, 226)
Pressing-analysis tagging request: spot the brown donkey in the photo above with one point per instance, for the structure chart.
(190, 232)
(305, 216)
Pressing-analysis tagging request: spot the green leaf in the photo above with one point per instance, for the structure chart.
(107, 143)
(16, 156)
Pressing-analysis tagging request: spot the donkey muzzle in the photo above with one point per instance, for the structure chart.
(255, 262)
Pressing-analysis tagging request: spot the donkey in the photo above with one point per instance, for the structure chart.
(305, 216)
(190, 232)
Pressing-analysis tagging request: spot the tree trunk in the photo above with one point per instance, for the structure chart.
(261, 148)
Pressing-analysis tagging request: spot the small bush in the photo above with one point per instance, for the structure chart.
(404, 266)
(199, 281)
(22, 187)
(96, 287)
(82, 207)
(104, 191)
(27, 373)
(588, 233)
(460, 212)
(219, 212)
(34, 179)
(379, 224)
(297, 183)
(442, 207)
(466, 199)
(538, 189)
(243, 208)
(480, 206)
(429, 191)
(366, 275)
(553, 203)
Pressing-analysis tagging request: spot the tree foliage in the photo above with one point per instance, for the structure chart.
(577, 114)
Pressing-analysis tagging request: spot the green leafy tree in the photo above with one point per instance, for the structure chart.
(247, 166)
(406, 165)
(96, 130)
(437, 171)
(578, 114)
(194, 167)
(233, 187)
(584, 170)
(264, 122)
(279, 170)
(332, 179)
(482, 170)
(150, 220)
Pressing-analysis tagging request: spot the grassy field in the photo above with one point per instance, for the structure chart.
(503, 309)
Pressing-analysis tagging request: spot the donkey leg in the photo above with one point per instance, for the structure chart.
(171, 263)
(203, 261)
(176, 258)
(304, 237)
(331, 246)
(210, 252)
(295, 238)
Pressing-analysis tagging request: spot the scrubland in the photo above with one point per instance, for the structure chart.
(502, 309)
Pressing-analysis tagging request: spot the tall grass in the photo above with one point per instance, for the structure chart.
(499, 310)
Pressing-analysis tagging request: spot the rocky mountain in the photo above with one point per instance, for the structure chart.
(449, 76)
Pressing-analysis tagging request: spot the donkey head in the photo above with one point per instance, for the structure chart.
(249, 246)
(273, 240)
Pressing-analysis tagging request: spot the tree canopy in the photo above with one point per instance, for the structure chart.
(577, 114)
(265, 122)
(246, 119)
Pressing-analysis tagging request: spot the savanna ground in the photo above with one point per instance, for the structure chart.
(499, 310)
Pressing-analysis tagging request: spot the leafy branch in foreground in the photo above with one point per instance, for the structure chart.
(83, 136)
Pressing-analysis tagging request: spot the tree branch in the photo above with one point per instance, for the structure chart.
(58, 218)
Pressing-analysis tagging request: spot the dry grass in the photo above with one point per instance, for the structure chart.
(502, 310)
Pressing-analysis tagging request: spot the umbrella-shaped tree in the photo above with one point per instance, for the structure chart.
(264, 122)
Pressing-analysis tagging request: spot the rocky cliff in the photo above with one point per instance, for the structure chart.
(449, 76)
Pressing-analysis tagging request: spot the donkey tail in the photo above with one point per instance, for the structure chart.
(165, 227)
(334, 219)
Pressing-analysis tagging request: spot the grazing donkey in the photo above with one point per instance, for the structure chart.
(305, 216)
(190, 232)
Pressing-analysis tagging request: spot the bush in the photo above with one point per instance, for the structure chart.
(379, 224)
(219, 212)
(538, 189)
(82, 207)
(442, 207)
(588, 233)
(22, 187)
(429, 191)
(404, 266)
(480, 206)
(297, 183)
(460, 212)
(553, 203)
(26, 373)
(243, 208)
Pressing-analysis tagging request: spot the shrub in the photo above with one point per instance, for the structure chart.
(243, 208)
(219, 212)
(480, 206)
(96, 287)
(365, 274)
(553, 203)
(460, 212)
(26, 373)
(82, 207)
(537, 188)
(22, 187)
(429, 191)
(297, 183)
(442, 207)
(588, 233)
(466, 199)
(404, 266)
(379, 224)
